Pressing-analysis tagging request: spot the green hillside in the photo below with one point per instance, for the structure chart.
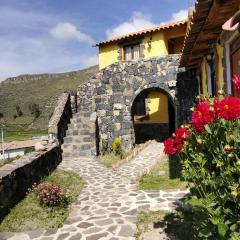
(42, 89)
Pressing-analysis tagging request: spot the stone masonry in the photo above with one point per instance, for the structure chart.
(111, 93)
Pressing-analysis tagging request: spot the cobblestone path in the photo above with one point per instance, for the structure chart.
(108, 205)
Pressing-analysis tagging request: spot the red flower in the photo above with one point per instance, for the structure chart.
(202, 116)
(170, 147)
(182, 134)
(228, 108)
(236, 81)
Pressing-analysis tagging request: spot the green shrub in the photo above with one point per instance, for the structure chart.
(19, 111)
(34, 110)
(117, 147)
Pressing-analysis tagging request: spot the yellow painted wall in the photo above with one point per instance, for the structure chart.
(158, 46)
(158, 108)
(108, 55)
(220, 79)
(204, 77)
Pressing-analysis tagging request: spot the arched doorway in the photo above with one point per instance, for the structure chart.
(153, 115)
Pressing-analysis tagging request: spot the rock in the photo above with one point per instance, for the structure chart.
(39, 147)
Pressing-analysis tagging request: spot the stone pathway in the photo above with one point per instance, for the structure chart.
(108, 205)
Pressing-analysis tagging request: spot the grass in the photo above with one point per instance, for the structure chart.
(30, 215)
(8, 160)
(165, 175)
(110, 160)
(176, 225)
(22, 135)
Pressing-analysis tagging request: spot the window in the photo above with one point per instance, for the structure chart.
(132, 52)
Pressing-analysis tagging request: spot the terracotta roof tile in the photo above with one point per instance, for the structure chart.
(145, 31)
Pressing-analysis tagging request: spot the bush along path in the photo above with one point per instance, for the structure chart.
(108, 205)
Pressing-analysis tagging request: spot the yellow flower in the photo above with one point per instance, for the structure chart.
(234, 194)
(199, 141)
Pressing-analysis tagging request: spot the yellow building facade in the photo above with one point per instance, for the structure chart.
(159, 41)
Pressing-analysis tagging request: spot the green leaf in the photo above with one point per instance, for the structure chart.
(208, 129)
(233, 227)
(222, 229)
(215, 220)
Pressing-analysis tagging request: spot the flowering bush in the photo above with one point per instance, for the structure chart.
(50, 195)
(210, 155)
(236, 81)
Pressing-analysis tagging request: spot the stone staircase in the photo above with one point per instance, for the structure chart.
(79, 141)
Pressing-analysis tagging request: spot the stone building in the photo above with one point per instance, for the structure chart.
(140, 93)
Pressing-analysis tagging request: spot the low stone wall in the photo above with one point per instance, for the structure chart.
(17, 176)
(61, 117)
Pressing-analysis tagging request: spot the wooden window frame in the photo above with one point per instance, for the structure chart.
(131, 42)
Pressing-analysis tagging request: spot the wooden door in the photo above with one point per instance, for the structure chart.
(235, 61)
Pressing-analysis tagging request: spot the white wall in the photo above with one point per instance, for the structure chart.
(12, 153)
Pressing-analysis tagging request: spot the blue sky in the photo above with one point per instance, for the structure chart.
(38, 36)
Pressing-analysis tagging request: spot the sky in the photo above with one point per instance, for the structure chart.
(46, 36)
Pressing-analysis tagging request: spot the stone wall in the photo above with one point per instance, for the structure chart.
(61, 117)
(111, 94)
(17, 176)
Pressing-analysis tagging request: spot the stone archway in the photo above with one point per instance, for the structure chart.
(112, 92)
(153, 115)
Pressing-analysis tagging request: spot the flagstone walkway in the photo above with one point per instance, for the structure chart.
(108, 205)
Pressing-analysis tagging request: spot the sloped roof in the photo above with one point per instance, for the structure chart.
(205, 28)
(19, 144)
(145, 31)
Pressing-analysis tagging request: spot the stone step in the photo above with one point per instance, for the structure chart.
(77, 139)
(82, 114)
(79, 124)
(77, 154)
(76, 146)
(77, 132)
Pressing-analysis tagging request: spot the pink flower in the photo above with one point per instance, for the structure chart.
(202, 116)
(236, 81)
(170, 147)
(228, 108)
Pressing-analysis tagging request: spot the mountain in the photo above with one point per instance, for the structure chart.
(42, 89)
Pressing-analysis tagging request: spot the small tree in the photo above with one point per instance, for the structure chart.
(34, 110)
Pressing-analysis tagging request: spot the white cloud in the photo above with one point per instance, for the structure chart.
(68, 31)
(180, 15)
(90, 61)
(137, 22)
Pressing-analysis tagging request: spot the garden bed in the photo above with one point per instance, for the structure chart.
(29, 214)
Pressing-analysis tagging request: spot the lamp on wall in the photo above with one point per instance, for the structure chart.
(209, 57)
